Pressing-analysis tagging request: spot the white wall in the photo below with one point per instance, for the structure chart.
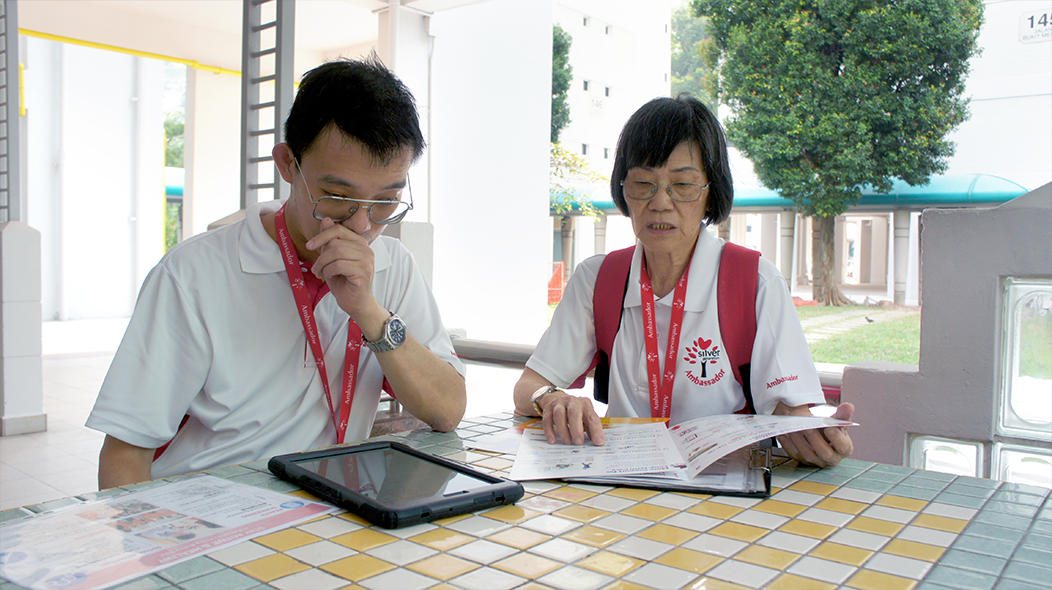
(212, 153)
(95, 188)
(491, 104)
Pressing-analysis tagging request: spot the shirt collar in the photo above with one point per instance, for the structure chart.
(259, 253)
(703, 267)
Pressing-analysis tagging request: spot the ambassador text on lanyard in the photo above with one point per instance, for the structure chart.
(306, 313)
(661, 384)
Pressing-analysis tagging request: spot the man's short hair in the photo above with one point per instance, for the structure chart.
(654, 131)
(364, 100)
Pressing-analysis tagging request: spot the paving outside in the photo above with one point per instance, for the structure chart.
(821, 327)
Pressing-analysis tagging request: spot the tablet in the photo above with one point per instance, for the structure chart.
(393, 485)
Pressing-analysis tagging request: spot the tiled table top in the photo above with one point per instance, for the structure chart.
(861, 525)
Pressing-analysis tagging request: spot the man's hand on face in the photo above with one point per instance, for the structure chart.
(345, 263)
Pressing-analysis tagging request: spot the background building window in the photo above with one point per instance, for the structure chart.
(606, 153)
(584, 20)
(586, 85)
(607, 91)
(584, 149)
(1026, 389)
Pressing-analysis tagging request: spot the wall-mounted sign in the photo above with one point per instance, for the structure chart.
(1035, 27)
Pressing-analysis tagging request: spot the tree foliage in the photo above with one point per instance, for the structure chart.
(829, 96)
(694, 58)
(569, 174)
(562, 75)
(173, 139)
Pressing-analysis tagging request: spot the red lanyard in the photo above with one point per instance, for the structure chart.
(661, 385)
(306, 311)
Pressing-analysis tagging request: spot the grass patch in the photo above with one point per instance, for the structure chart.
(894, 341)
(811, 311)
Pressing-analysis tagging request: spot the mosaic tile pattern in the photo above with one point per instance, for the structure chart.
(859, 526)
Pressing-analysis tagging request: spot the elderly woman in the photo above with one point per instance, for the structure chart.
(671, 178)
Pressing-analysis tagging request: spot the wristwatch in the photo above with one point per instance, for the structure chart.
(393, 335)
(535, 399)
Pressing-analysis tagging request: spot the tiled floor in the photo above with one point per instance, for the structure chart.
(64, 460)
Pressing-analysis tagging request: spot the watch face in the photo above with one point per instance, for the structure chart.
(396, 330)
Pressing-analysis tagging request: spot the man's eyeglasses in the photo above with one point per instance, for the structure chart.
(340, 209)
(683, 192)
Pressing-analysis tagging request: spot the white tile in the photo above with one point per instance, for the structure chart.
(46, 465)
(401, 552)
(736, 501)
(859, 539)
(745, 574)
(674, 501)
(398, 579)
(309, 580)
(242, 553)
(898, 566)
(929, 536)
(821, 569)
(661, 577)
(799, 498)
(539, 486)
(411, 531)
(837, 519)
(480, 526)
(550, 524)
(640, 548)
(28, 492)
(484, 552)
(693, 522)
(74, 482)
(607, 503)
(763, 520)
(9, 474)
(788, 542)
(330, 527)
(855, 495)
(575, 578)
(320, 553)
(716, 545)
(949, 511)
(889, 514)
(623, 523)
(562, 550)
(486, 578)
(542, 504)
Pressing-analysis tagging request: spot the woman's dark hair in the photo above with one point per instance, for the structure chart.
(364, 100)
(656, 129)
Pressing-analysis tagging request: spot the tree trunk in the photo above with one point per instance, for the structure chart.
(824, 289)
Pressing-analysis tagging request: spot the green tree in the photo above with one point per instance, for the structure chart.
(830, 96)
(568, 175)
(694, 57)
(173, 140)
(562, 75)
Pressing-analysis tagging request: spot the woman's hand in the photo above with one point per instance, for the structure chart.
(567, 418)
(819, 447)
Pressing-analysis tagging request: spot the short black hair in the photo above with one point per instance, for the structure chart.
(364, 100)
(654, 131)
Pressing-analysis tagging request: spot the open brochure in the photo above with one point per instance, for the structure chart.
(712, 454)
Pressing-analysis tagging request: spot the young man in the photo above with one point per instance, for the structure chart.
(275, 334)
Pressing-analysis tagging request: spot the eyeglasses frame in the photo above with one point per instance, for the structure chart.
(358, 203)
(668, 190)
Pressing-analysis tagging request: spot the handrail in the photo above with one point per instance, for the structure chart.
(485, 352)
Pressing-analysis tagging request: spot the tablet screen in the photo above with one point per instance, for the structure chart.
(392, 477)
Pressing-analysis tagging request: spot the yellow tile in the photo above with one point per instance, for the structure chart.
(715, 510)
(844, 506)
(581, 513)
(649, 512)
(842, 553)
(364, 539)
(808, 529)
(596, 537)
(271, 567)
(494, 463)
(695, 496)
(610, 564)
(714, 584)
(443, 567)
(527, 565)
(791, 582)
(354, 518)
(511, 514)
(767, 557)
(287, 539)
(667, 534)
(442, 539)
(305, 494)
(941, 523)
(690, 560)
(632, 494)
(903, 503)
(780, 508)
(875, 526)
(357, 567)
(742, 532)
(811, 487)
(518, 538)
(921, 551)
(871, 580)
(450, 520)
(569, 494)
(625, 585)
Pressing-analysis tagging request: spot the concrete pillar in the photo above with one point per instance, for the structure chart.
(567, 238)
(865, 251)
(21, 373)
(786, 231)
(769, 236)
(600, 235)
(901, 249)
